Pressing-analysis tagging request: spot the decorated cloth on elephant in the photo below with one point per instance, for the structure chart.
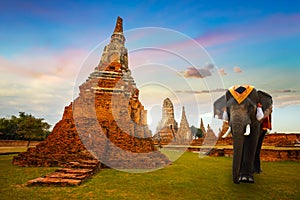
(240, 92)
(266, 123)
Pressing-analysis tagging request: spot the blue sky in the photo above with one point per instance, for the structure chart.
(44, 43)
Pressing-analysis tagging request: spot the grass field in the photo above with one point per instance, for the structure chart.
(190, 177)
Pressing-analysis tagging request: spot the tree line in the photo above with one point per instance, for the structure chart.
(196, 132)
(24, 127)
(28, 127)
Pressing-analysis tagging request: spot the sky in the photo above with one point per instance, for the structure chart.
(45, 44)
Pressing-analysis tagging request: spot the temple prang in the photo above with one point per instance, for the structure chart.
(167, 127)
(184, 131)
(106, 122)
(167, 131)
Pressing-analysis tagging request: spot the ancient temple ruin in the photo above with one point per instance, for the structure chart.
(106, 122)
(167, 129)
(184, 135)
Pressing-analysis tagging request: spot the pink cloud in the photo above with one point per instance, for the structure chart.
(38, 62)
(222, 72)
(278, 25)
(237, 69)
(40, 81)
(192, 72)
(216, 38)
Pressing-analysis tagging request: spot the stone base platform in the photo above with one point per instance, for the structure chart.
(73, 174)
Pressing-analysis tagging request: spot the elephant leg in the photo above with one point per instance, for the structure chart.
(250, 145)
(238, 141)
(257, 167)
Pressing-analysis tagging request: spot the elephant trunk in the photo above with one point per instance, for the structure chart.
(238, 145)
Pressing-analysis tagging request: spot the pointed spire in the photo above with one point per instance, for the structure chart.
(184, 132)
(208, 127)
(118, 35)
(119, 26)
(183, 118)
(183, 113)
(202, 127)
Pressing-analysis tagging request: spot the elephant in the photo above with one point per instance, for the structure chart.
(241, 105)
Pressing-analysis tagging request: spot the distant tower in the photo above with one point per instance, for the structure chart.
(202, 128)
(168, 119)
(167, 128)
(210, 137)
(184, 132)
(208, 127)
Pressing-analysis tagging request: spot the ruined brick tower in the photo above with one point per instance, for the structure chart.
(167, 128)
(184, 133)
(107, 121)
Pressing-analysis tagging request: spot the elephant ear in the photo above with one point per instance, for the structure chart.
(265, 99)
(219, 106)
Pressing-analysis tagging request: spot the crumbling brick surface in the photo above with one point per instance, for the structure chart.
(106, 121)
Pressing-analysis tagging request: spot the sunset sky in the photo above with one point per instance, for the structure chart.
(45, 43)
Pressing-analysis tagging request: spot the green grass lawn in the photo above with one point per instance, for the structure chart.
(190, 177)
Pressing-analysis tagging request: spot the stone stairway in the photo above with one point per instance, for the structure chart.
(73, 174)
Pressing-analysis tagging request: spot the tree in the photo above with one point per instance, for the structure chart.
(25, 127)
(31, 128)
(199, 133)
(8, 128)
(196, 132)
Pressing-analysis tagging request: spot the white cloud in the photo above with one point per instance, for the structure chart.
(39, 83)
(286, 100)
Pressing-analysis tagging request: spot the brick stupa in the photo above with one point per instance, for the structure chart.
(105, 122)
(167, 127)
(184, 133)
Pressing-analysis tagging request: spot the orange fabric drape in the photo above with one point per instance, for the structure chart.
(266, 123)
(240, 97)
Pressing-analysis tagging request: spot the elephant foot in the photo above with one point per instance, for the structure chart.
(243, 179)
(246, 179)
(250, 179)
(236, 181)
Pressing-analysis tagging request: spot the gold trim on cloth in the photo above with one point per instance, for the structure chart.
(240, 97)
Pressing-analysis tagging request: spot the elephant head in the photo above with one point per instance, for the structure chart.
(240, 107)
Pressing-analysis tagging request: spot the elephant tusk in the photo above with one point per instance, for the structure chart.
(247, 130)
(227, 132)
